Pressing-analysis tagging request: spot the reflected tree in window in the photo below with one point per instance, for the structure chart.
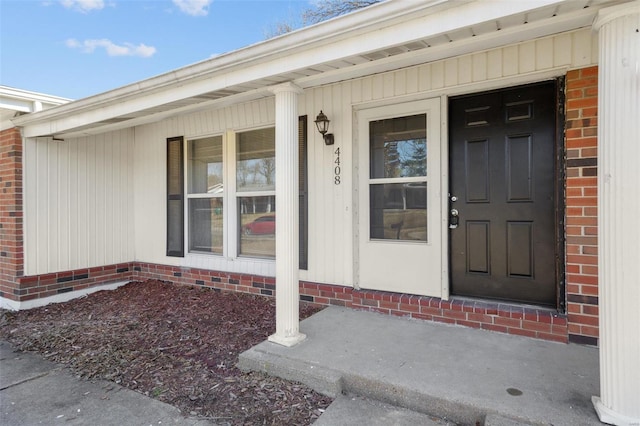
(267, 168)
(413, 157)
(256, 162)
(392, 163)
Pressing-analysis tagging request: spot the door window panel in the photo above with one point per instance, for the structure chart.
(399, 211)
(398, 147)
(398, 178)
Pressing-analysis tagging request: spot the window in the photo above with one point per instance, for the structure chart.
(205, 191)
(249, 200)
(175, 198)
(256, 187)
(398, 178)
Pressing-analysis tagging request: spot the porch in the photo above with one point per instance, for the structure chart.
(457, 373)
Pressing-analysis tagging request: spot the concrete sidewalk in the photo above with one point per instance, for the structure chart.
(35, 391)
(457, 374)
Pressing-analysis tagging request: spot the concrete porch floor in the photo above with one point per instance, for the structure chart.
(462, 375)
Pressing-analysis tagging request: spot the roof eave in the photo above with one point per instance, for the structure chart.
(311, 43)
(299, 39)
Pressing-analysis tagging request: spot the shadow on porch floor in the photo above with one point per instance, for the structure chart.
(463, 375)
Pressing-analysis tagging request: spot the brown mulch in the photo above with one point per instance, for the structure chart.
(178, 344)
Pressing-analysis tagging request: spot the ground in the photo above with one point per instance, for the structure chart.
(178, 344)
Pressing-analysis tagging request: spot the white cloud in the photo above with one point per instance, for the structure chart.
(193, 7)
(83, 6)
(112, 49)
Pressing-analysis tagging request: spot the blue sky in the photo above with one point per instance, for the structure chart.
(78, 48)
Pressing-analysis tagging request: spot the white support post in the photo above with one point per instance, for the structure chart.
(618, 213)
(287, 216)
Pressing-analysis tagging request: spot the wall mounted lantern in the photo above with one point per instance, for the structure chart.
(322, 123)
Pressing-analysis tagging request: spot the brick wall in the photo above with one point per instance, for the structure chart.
(46, 285)
(502, 317)
(582, 209)
(11, 245)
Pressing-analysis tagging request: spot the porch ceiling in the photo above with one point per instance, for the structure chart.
(385, 37)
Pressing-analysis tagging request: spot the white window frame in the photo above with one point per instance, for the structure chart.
(388, 114)
(189, 196)
(246, 194)
(230, 200)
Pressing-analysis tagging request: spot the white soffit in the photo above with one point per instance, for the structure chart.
(386, 36)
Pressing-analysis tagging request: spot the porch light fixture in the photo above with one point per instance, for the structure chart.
(322, 123)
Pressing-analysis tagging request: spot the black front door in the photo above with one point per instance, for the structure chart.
(502, 173)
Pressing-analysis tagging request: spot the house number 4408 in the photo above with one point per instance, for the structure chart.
(336, 169)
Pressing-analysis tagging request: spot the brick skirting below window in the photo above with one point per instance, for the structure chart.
(513, 319)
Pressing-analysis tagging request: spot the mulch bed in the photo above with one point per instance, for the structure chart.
(178, 344)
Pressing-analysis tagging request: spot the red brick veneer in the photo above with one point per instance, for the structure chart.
(11, 243)
(582, 205)
(45, 285)
(502, 317)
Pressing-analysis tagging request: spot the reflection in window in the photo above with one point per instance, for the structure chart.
(398, 154)
(399, 211)
(257, 226)
(398, 147)
(205, 165)
(205, 190)
(256, 160)
(251, 232)
(205, 225)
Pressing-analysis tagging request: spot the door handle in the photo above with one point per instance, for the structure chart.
(453, 219)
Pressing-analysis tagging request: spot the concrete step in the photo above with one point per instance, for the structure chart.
(466, 376)
(352, 410)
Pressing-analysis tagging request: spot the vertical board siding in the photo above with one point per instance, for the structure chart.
(150, 189)
(75, 203)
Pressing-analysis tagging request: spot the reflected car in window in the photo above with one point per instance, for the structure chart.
(262, 225)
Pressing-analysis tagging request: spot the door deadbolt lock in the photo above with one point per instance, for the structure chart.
(453, 219)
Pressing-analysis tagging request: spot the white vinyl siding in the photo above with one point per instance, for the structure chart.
(78, 202)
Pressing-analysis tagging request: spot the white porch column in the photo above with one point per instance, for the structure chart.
(619, 213)
(287, 216)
